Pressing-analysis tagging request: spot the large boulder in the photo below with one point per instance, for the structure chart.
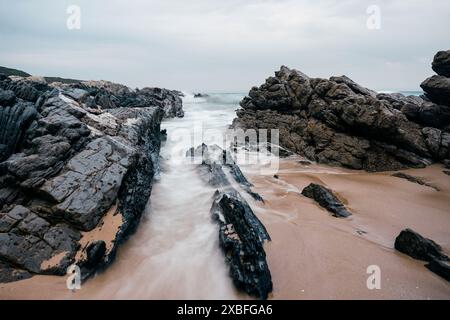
(326, 199)
(441, 63)
(414, 245)
(437, 88)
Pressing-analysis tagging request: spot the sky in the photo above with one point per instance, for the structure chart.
(225, 45)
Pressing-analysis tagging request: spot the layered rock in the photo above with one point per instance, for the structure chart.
(69, 154)
(338, 122)
(241, 234)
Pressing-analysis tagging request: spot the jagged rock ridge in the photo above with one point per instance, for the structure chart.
(338, 122)
(241, 234)
(70, 154)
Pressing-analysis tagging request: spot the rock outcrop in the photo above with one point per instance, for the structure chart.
(200, 95)
(338, 122)
(241, 234)
(437, 87)
(414, 245)
(413, 179)
(441, 63)
(242, 237)
(70, 154)
(326, 199)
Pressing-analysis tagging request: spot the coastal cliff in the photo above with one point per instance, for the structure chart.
(73, 158)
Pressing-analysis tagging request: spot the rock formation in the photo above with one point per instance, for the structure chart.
(200, 95)
(241, 234)
(326, 199)
(413, 179)
(70, 154)
(441, 63)
(338, 122)
(414, 245)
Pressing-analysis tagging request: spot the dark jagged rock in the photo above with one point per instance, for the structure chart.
(241, 234)
(413, 179)
(70, 153)
(108, 95)
(14, 120)
(93, 260)
(441, 268)
(200, 95)
(326, 199)
(28, 89)
(10, 274)
(242, 237)
(210, 162)
(7, 98)
(213, 160)
(164, 135)
(447, 172)
(30, 242)
(414, 245)
(338, 122)
(169, 100)
(437, 88)
(441, 63)
(425, 112)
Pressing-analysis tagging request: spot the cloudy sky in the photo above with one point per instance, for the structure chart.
(225, 46)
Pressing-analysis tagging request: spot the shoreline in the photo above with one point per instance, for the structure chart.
(309, 255)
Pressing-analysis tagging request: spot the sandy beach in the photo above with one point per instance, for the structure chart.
(316, 256)
(312, 255)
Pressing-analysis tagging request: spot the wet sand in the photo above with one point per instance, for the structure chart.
(312, 254)
(316, 256)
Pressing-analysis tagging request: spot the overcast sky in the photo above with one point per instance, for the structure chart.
(225, 45)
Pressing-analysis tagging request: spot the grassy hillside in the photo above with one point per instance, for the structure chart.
(15, 72)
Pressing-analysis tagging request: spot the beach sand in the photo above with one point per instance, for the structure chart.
(316, 256)
(313, 255)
